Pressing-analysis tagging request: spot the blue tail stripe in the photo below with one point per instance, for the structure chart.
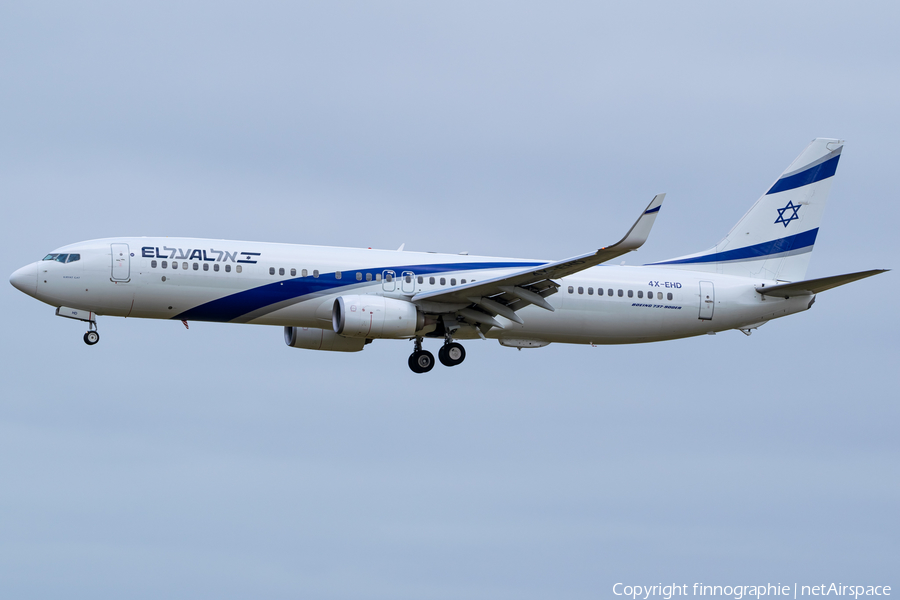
(234, 306)
(785, 244)
(813, 174)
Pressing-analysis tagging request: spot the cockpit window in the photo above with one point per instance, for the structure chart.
(63, 257)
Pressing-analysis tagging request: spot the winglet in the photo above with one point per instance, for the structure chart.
(640, 231)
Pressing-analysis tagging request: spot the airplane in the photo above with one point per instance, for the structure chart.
(341, 299)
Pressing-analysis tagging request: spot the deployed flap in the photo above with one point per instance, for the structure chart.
(633, 240)
(814, 286)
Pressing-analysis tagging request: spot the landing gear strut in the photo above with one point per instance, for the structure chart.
(91, 337)
(420, 361)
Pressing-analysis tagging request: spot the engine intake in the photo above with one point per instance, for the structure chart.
(321, 339)
(375, 317)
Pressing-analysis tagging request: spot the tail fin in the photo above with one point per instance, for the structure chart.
(774, 240)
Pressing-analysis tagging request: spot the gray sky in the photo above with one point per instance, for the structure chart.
(219, 463)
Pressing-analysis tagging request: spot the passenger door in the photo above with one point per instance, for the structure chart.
(121, 262)
(707, 300)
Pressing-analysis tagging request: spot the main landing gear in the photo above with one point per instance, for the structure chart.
(420, 361)
(450, 355)
(92, 336)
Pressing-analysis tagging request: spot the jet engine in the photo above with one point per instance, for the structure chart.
(375, 317)
(321, 339)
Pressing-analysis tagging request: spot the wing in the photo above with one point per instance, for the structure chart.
(507, 294)
(814, 286)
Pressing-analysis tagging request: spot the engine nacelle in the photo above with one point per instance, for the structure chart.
(321, 339)
(375, 317)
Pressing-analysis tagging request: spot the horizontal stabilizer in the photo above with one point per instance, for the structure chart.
(814, 286)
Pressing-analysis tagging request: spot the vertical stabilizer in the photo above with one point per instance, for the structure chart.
(774, 240)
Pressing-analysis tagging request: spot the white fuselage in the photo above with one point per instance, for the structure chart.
(232, 281)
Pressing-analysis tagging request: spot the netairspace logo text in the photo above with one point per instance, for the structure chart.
(666, 592)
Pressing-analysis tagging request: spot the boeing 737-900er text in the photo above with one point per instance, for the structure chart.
(341, 299)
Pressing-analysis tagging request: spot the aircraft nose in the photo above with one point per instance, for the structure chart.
(25, 279)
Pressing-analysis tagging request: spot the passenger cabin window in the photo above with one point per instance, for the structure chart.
(238, 268)
(315, 273)
(281, 271)
(293, 272)
(463, 281)
(216, 267)
(668, 296)
(271, 270)
(640, 294)
(184, 266)
(571, 289)
(304, 273)
(609, 292)
(453, 282)
(152, 264)
(377, 276)
(443, 281)
(421, 279)
(599, 291)
(206, 266)
(359, 276)
(228, 268)
(621, 293)
(580, 290)
(368, 277)
(590, 291)
(431, 280)
(630, 294)
(196, 267)
(165, 265)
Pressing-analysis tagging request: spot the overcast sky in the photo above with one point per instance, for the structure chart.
(219, 463)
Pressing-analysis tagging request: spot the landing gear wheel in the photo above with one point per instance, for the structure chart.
(452, 354)
(421, 361)
(91, 338)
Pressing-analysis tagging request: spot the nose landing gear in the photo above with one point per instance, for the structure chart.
(92, 336)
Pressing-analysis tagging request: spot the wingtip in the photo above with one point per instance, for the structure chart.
(655, 204)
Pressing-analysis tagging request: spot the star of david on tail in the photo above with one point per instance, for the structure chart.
(792, 217)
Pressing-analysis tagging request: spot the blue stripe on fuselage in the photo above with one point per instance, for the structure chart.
(233, 306)
(813, 174)
(757, 251)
